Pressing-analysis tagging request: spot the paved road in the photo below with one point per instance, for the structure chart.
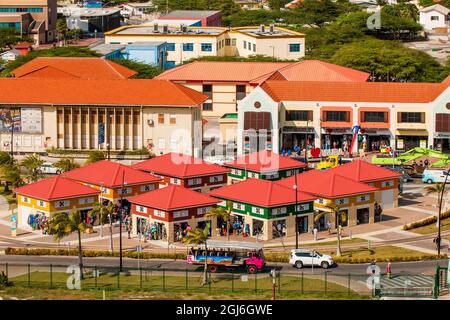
(418, 267)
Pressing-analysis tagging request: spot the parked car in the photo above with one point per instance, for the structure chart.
(435, 175)
(48, 168)
(304, 257)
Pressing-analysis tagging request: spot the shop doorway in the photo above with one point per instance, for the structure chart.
(180, 230)
(321, 223)
(302, 224)
(362, 216)
(279, 228)
(156, 231)
(257, 228)
(343, 219)
(410, 142)
(375, 142)
(237, 225)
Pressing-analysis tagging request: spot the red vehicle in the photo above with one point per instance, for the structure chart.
(228, 254)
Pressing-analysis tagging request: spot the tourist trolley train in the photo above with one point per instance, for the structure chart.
(232, 254)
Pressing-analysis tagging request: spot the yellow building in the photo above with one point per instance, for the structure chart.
(185, 43)
(355, 199)
(44, 198)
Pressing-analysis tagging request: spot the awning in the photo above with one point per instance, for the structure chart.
(411, 132)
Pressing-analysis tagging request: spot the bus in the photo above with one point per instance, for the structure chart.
(233, 254)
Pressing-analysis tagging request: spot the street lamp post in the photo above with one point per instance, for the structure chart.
(295, 210)
(120, 220)
(306, 144)
(438, 242)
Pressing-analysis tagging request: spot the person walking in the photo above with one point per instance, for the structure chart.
(329, 226)
(388, 269)
(315, 231)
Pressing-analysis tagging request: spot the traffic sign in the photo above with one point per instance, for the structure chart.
(101, 133)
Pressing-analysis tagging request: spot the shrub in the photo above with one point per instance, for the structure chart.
(4, 280)
(425, 222)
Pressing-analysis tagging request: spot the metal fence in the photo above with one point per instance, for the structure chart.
(188, 280)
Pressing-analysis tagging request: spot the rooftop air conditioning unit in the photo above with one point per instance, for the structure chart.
(262, 28)
(271, 28)
(183, 28)
(155, 27)
(166, 28)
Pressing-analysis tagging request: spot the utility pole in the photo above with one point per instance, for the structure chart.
(306, 144)
(295, 210)
(438, 242)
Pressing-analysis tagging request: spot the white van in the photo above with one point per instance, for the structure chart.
(303, 257)
(435, 175)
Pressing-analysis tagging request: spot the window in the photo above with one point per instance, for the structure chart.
(181, 213)
(148, 187)
(276, 211)
(434, 18)
(161, 143)
(245, 44)
(207, 90)
(374, 116)
(303, 207)
(173, 144)
(363, 198)
(193, 182)
(170, 47)
(238, 206)
(412, 117)
(387, 184)
(159, 213)
(86, 200)
(292, 172)
(188, 47)
(299, 115)
(207, 106)
(233, 42)
(258, 210)
(216, 179)
(254, 47)
(294, 47)
(43, 203)
(173, 118)
(25, 199)
(207, 47)
(160, 118)
(125, 190)
(227, 42)
(203, 210)
(342, 201)
(141, 209)
(253, 175)
(340, 116)
(240, 92)
(62, 204)
(236, 172)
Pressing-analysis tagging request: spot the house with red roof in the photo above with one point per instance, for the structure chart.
(265, 165)
(266, 209)
(73, 68)
(186, 171)
(168, 213)
(285, 115)
(355, 199)
(122, 115)
(114, 180)
(386, 181)
(44, 198)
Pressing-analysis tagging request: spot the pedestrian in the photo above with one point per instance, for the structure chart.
(373, 266)
(388, 269)
(129, 227)
(315, 231)
(329, 226)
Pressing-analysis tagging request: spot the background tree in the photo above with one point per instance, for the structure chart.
(8, 38)
(438, 189)
(144, 71)
(199, 237)
(94, 156)
(62, 225)
(223, 214)
(10, 173)
(104, 214)
(32, 164)
(62, 29)
(340, 218)
(66, 164)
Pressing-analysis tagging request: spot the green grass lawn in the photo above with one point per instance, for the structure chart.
(379, 253)
(334, 242)
(431, 228)
(242, 286)
(9, 197)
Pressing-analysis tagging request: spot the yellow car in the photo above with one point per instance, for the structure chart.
(330, 162)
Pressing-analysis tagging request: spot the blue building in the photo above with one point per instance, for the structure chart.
(152, 53)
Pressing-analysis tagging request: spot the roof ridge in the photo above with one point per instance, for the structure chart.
(171, 195)
(52, 188)
(116, 173)
(111, 67)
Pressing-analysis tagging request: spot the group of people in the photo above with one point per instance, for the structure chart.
(154, 231)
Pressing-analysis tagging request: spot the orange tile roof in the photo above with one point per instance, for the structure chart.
(179, 165)
(353, 91)
(55, 188)
(316, 70)
(97, 92)
(258, 72)
(364, 171)
(264, 161)
(173, 197)
(110, 174)
(326, 184)
(221, 71)
(261, 192)
(73, 67)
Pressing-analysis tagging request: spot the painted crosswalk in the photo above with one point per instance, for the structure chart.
(407, 281)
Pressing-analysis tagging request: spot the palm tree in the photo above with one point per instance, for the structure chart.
(104, 213)
(10, 173)
(438, 188)
(224, 214)
(63, 225)
(199, 237)
(340, 217)
(66, 164)
(32, 164)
